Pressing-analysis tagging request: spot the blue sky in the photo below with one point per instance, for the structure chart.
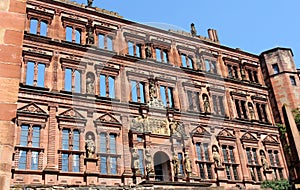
(254, 26)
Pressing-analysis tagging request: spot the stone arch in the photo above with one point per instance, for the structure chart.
(162, 166)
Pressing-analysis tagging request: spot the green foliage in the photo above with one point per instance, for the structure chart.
(276, 185)
(296, 113)
(282, 130)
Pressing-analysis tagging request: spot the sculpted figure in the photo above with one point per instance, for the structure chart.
(152, 90)
(188, 165)
(148, 161)
(264, 162)
(175, 162)
(89, 85)
(90, 147)
(216, 157)
(148, 52)
(206, 104)
(251, 111)
(90, 36)
(135, 159)
(193, 30)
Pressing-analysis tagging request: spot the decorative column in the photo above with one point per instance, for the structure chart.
(127, 174)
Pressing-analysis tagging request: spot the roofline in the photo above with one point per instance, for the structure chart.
(276, 49)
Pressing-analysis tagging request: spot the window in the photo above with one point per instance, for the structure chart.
(161, 55)
(69, 78)
(180, 160)
(108, 149)
(203, 161)
(70, 142)
(232, 71)
(107, 86)
(73, 34)
(275, 68)
(37, 79)
(105, 42)
(134, 49)
(141, 161)
(194, 101)
(30, 138)
(262, 112)
(39, 27)
(137, 91)
(230, 162)
(210, 66)
(218, 105)
(241, 109)
(166, 95)
(253, 165)
(186, 61)
(293, 81)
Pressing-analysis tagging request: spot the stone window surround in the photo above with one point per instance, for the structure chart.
(40, 15)
(188, 53)
(164, 47)
(107, 32)
(194, 88)
(212, 58)
(233, 63)
(138, 77)
(168, 83)
(74, 24)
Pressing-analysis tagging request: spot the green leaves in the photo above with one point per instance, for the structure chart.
(276, 185)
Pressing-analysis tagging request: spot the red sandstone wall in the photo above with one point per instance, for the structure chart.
(12, 13)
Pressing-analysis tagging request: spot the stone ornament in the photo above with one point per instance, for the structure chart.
(148, 52)
(216, 156)
(188, 165)
(90, 79)
(193, 30)
(90, 145)
(175, 162)
(148, 162)
(264, 161)
(206, 104)
(135, 159)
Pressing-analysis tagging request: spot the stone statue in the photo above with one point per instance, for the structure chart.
(152, 90)
(135, 160)
(175, 162)
(251, 111)
(193, 30)
(148, 52)
(264, 162)
(188, 165)
(90, 3)
(90, 147)
(90, 36)
(216, 157)
(148, 162)
(89, 85)
(206, 104)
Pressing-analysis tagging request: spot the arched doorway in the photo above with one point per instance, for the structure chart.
(162, 167)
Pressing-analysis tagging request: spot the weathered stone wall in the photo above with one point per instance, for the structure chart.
(12, 13)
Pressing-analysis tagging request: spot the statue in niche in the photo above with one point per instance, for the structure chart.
(148, 52)
(90, 3)
(90, 146)
(264, 161)
(193, 30)
(206, 104)
(251, 111)
(243, 75)
(216, 157)
(90, 40)
(90, 83)
(188, 165)
(135, 159)
(152, 90)
(175, 162)
(148, 161)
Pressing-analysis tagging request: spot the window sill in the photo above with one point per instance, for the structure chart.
(34, 87)
(28, 148)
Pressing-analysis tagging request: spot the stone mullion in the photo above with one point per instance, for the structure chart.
(205, 171)
(134, 49)
(107, 85)
(262, 113)
(35, 74)
(23, 70)
(161, 55)
(241, 109)
(40, 160)
(147, 96)
(105, 41)
(52, 163)
(97, 85)
(73, 80)
(218, 105)
(28, 159)
(201, 103)
(138, 91)
(29, 137)
(81, 148)
(73, 34)
(243, 161)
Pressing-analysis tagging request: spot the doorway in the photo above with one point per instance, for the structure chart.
(162, 166)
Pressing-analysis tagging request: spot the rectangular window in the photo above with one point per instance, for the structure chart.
(276, 158)
(78, 36)
(44, 28)
(271, 158)
(75, 163)
(30, 73)
(109, 44)
(41, 75)
(158, 55)
(209, 171)
(24, 135)
(76, 140)
(249, 157)
(141, 159)
(103, 85)
(68, 79)
(34, 160)
(183, 61)
(180, 160)
(235, 173)
(111, 85)
(113, 165)
(293, 81)
(101, 38)
(33, 26)
(102, 143)
(142, 94)
(130, 48)
(201, 168)
(65, 139)
(35, 136)
(275, 68)
(205, 145)
(163, 95)
(258, 174)
(69, 33)
(112, 143)
(198, 151)
(103, 166)
(77, 81)
(228, 174)
(170, 96)
(225, 154)
(207, 65)
(221, 104)
(138, 50)
(22, 160)
(134, 96)
(254, 156)
(65, 162)
(165, 57)
(231, 155)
